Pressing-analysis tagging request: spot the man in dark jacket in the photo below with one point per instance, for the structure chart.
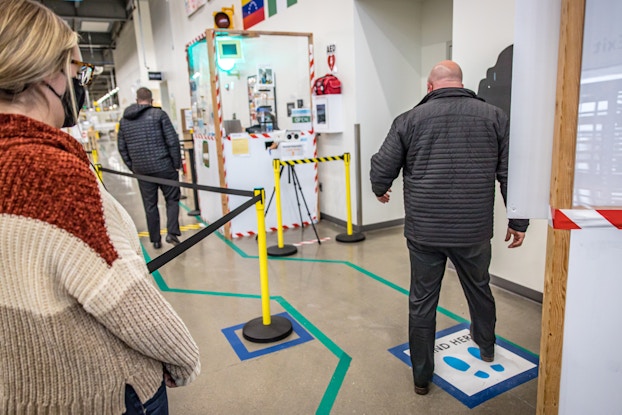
(450, 147)
(149, 145)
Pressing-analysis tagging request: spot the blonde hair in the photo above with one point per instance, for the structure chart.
(34, 43)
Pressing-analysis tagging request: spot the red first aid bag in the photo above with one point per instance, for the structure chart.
(327, 84)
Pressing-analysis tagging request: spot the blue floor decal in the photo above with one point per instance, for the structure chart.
(460, 371)
(234, 335)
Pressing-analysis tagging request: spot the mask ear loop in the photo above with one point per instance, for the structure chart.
(54, 91)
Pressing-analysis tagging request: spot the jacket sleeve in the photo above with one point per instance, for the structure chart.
(114, 286)
(122, 147)
(172, 140)
(387, 162)
(503, 134)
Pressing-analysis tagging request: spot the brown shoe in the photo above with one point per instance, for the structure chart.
(422, 390)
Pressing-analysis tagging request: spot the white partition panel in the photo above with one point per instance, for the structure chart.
(534, 78)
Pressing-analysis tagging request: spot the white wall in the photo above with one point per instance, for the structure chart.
(127, 65)
(384, 53)
(396, 42)
(436, 32)
(135, 57)
(334, 27)
(388, 76)
(591, 359)
(481, 30)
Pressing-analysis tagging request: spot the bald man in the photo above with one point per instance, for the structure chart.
(449, 148)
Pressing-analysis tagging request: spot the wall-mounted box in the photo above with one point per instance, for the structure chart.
(328, 113)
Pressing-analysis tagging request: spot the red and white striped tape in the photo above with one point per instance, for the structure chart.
(311, 68)
(585, 218)
(311, 78)
(274, 229)
(312, 241)
(243, 234)
(201, 136)
(195, 40)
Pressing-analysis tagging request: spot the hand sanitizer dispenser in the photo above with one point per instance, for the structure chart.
(327, 113)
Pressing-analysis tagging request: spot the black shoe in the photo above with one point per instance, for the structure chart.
(157, 245)
(172, 239)
(422, 390)
(486, 358)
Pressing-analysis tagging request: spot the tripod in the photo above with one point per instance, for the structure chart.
(292, 178)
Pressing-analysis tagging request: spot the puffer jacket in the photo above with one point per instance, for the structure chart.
(451, 147)
(147, 140)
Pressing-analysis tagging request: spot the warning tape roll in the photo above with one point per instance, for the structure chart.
(570, 219)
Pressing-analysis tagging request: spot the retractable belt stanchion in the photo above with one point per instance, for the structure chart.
(264, 329)
(281, 249)
(98, 167)
(267, 328)
(349, 236)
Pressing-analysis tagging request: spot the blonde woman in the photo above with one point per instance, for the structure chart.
(84, 329)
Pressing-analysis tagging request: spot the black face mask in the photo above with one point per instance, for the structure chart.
(65, 99)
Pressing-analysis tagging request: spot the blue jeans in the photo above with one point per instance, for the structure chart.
(157, 405)
(427, 271)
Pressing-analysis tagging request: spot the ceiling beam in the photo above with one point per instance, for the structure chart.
(96, 38)
(98, 57)
(93, 10)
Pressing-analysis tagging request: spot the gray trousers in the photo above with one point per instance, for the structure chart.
(149, 193)
(427, 267)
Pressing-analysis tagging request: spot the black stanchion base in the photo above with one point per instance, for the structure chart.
(286, 250)
(355, 237)
(257, 332)
(194, 213)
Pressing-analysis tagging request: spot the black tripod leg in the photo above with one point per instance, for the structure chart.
(294, 182)
(297, 188)
(272, 196)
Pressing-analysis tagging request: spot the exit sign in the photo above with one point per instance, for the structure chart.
(155, 76)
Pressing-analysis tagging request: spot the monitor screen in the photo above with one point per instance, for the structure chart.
(229, 49)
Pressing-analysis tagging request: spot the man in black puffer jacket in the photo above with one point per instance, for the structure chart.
(149, 145)
(450, 147)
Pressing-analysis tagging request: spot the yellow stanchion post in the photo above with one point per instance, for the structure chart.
(267, 328)
(263, 260)
(98, 167)
(349, 236)
(277, 192)
(281, 249)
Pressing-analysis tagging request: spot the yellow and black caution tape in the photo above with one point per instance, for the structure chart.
(311, 160)
(182, 228)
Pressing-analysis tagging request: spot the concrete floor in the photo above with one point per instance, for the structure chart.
(350, 299)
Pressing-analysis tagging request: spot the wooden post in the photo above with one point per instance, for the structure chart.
(562, 182)
(214, 85)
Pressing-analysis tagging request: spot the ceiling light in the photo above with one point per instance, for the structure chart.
(92, 26)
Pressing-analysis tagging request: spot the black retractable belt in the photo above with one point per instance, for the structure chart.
(180, 184)
(172, 253)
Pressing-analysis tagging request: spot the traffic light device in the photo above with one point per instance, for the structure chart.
(224, 18)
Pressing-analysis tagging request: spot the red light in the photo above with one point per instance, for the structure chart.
(222, 20)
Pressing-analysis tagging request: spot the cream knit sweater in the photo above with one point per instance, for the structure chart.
(79, 313)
